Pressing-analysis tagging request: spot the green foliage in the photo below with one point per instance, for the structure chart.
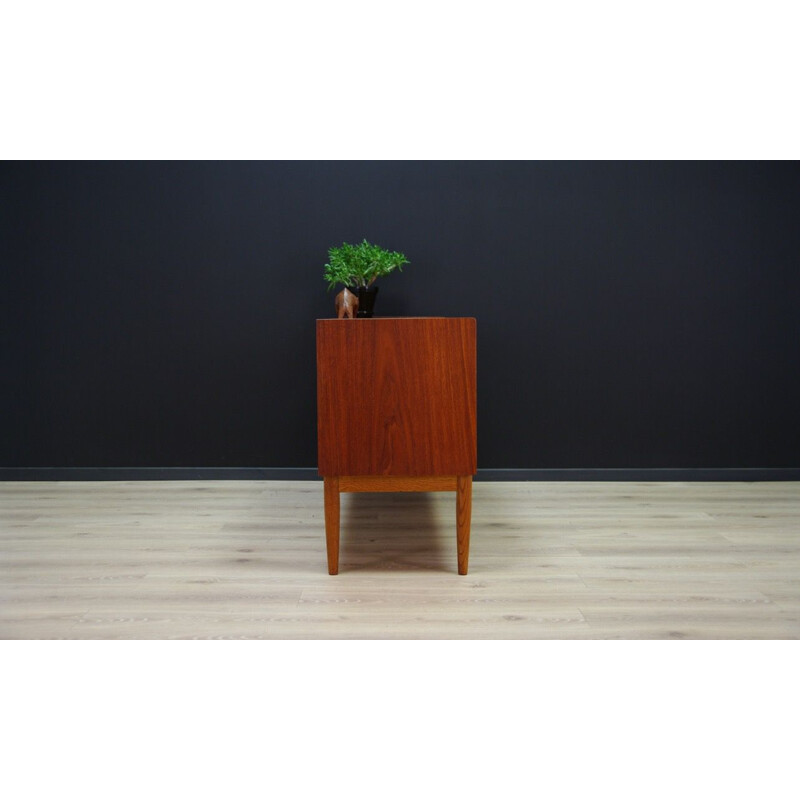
(355, 265)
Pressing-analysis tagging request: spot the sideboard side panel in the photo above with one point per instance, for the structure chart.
(397, 396)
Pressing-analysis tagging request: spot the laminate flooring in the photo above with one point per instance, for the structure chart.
(246, 560)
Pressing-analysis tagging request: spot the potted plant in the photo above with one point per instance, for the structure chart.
(358, 266)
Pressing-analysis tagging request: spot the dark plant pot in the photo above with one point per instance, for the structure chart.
(366, 300)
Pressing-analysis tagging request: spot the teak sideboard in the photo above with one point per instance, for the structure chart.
(396, 412)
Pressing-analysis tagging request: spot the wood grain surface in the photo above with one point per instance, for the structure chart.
(332, 509)
(397, 396)
(246, 560)
(389, 483)
(463, 521)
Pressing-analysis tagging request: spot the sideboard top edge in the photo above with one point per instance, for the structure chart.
(379, 319)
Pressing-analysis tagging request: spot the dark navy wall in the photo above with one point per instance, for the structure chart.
(630, 315)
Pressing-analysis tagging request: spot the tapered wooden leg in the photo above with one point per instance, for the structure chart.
(463, 520)
(332, 524)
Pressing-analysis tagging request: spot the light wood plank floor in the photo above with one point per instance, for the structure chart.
(246, 560)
